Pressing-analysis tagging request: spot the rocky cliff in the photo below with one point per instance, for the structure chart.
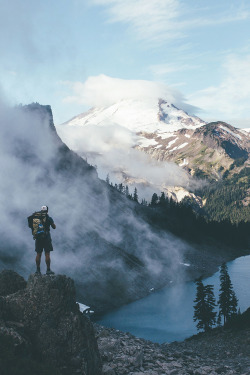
(41, 322)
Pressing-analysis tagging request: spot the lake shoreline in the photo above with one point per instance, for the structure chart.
(204, 262)
(167, 314)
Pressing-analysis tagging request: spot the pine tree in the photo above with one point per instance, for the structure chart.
(162, 199)
(121, 188)
(219, 319)
(127, 191)
(199, 307)
(107, 179)
(172, 203)
(210, 306)
(154, 200)
(204, 306)
(228, 302)
(234, 304)
(135, 196)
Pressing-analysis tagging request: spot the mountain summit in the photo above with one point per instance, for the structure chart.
(146, 115)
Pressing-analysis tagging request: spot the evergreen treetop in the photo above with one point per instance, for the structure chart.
(204, 306)
(228, 302)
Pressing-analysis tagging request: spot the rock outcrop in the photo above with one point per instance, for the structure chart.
(44, 323)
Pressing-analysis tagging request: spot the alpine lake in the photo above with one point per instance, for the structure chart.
(166, 315)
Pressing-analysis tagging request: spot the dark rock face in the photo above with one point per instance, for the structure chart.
(11, 282)
(234, 151)
(44, 322)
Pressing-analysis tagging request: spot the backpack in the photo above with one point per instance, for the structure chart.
(37, 222)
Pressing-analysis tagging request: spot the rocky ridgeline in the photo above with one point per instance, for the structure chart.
(219, 352)
(43, 322)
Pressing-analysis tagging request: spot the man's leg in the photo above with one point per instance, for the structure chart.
(47, 260)
(47, 249)
(38, 262)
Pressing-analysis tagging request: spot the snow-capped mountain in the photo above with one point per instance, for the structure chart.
(139, 116)
(110, 137)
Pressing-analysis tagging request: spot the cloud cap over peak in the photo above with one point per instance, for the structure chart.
(103, 91)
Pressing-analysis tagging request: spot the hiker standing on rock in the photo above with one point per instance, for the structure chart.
(40, 223)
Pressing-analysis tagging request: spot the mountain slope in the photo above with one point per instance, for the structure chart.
(208, 150)
(228, 198)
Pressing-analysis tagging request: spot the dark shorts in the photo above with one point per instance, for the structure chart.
(44, 244)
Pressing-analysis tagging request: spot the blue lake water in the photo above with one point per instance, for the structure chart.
(167, 315)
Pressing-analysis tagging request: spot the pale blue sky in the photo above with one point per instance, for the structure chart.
(50, 49)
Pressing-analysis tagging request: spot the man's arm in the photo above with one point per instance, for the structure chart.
(51, 222)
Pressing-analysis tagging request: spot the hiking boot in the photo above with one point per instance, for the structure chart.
(38, 272)
(49, 272)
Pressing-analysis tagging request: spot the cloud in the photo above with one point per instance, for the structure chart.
(231, 97)
(160, 70)
(102, 91)
(110, 147)
(148, 19)
(159, 21)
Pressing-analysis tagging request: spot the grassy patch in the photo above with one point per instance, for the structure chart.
(203, 150)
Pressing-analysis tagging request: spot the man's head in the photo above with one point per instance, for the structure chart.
(45, 208)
